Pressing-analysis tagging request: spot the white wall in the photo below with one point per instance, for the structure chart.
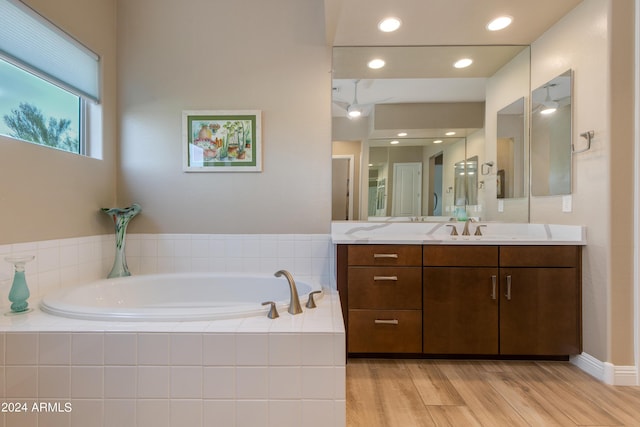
(250, 54)
(51, 194)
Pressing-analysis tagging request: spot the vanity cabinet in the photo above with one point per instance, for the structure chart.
(384, 296)
(506, 300)
(540, 300)
(460, 300)
(502, 300)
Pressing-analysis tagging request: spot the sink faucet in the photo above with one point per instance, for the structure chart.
(465, 232)
(294, 302)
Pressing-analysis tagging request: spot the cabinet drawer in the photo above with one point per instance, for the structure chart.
(385, 287)
(460, 256)
(407, 255)
(539, 256)
(385, 331)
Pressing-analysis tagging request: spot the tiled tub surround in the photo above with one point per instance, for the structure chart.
(244, 372)
(68, 262)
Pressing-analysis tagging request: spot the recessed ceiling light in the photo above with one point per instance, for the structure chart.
(402, 134)
(450, 133)
(463, 63)
(437, 141)
(394, 142)
(388, 25)
(499, 23)
(376, 63)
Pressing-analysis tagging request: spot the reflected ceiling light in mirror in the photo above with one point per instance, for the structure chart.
(450, 133)
(376, 64)
(389, 25)
(549, 106)
(437, 141)
(463, 63)
(402, 134)
(500, 23)
(353, 112)
(394, 142)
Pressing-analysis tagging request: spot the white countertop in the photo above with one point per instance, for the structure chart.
(439, 233)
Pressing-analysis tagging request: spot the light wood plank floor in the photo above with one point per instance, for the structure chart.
(460, 393)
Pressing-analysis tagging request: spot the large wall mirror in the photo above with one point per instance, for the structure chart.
(551, 137)
(427, 132)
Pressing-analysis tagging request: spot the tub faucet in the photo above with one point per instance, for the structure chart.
(294, 302)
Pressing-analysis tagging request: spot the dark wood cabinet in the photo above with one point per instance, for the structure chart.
(461, 299)
(540, 300)
(383, 292)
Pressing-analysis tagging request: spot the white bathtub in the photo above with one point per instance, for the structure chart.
(171, 297)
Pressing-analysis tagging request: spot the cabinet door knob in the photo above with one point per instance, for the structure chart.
(385, 278)
(494, 286)
(385, 256)
(386, 321)
(508, 294)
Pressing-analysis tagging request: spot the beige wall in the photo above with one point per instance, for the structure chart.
(602, 177)
(250, 54)
(50, 194)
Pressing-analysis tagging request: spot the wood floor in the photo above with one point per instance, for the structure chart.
(459, 393)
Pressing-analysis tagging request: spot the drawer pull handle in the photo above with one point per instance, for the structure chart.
(385, 278)
(386, 322)
(385, 256)
(508, 294)
(494, 285)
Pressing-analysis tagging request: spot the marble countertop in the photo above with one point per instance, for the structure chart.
(439, 233)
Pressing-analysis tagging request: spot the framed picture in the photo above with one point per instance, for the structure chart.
(221, 141)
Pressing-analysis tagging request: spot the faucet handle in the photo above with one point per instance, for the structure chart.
(311, 303)
(273, 312)
(478, 230)
(454, 232)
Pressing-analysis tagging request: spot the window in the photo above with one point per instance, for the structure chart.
(47, 79)
(34, 110)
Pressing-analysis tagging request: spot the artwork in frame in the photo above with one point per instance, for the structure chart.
(222, 141)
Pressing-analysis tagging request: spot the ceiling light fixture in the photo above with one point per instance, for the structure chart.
(437, 141)
(402, 134)
(394, 142)
(376, 63)
(500, 23)
(450, 133)
(463, 63)
(389, 25)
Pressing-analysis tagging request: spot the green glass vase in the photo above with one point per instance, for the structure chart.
(19, 292)
(121, 218)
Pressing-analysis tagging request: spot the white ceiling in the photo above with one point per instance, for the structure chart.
(440, 22)
(419, 54)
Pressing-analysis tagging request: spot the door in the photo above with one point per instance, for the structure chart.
(460, 310)
(341, 204)
(407, 193)
(538, 311)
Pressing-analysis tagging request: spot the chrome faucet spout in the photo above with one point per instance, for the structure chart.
(294, 302)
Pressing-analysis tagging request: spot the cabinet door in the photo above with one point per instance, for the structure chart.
(539, 311)
(460, 310)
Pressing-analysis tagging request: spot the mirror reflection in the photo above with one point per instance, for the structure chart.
(512, 158)
(551, 137)
(417, 99)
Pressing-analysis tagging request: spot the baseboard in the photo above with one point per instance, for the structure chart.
(605, 371)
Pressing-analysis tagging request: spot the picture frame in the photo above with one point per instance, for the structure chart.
(222, 141)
